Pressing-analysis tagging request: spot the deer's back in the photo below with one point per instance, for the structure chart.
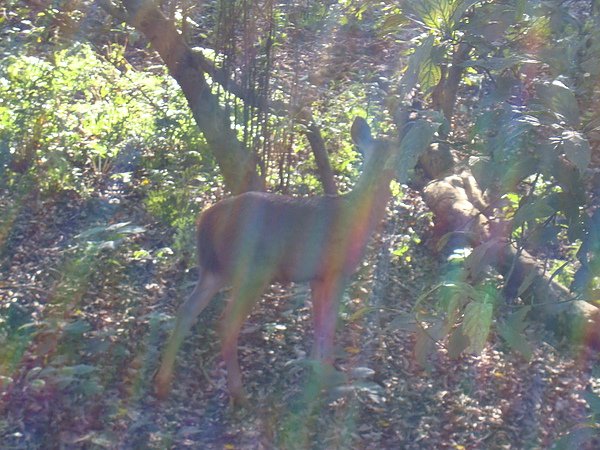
(294, 239)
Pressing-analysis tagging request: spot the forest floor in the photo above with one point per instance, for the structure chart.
(86, 309)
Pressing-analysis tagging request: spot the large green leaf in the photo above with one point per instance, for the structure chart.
(560, 99)
(477, 323)
(489, 25)
(457, 343)
(577, 149)
(415, 142)
(441, 15)
(502, 90)
(411, 75)
(425, 343)
(429, 75)
(512, 332)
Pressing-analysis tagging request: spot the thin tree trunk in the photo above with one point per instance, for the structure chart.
(237, 164)
(317, 144)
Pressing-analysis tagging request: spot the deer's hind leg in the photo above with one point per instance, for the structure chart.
(206, 288)
(247, 290)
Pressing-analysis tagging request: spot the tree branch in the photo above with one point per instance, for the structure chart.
(237, 164)
(278, 108)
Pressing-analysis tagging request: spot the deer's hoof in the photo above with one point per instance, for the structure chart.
(238, 399)
(162, 385)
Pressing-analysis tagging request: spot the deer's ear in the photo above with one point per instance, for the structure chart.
(361, 132)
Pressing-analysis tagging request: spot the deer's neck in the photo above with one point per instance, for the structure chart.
(370, 195)
(366, 206)
(373, 185)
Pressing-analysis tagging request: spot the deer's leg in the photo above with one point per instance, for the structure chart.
(245, 294)
(205, 289)
(326, 296)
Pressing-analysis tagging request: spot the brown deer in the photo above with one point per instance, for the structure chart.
(255, 238)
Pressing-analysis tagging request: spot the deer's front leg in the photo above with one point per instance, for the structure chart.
(245, 294)
(326, 296)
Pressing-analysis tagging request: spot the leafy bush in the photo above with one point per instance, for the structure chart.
(72, 118)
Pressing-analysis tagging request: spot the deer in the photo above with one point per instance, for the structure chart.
(253, 239)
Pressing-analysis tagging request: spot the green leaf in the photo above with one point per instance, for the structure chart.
(576, 438)
(457, 343)
(484, 172)
(114, 230)
(38, 384)
(593, 401)
(411, 75)
(78, 370)
(441, 15)
(535, 209)
(577, 149)
(462, 288)
(485, 122)
(425, 343)
(126, 228)
(521, 4)
(477, 323)
(461, 8)
(91, 387)
(454, 307)
(502, 90)
(360, 313)
(498, 63)
(526, 283)
(415, 142)
(561, 100)
(542, 235)
(77, 328)
(405, 322)
(430, 12)
(401, 250)
(481, 257)
(393, 22)
(64, 381)
(512, 332)
(429, 75)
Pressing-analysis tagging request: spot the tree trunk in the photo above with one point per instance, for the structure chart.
(237, 164)
(457, 205)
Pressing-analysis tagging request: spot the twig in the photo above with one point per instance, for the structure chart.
(7, 287)
(557, 271)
